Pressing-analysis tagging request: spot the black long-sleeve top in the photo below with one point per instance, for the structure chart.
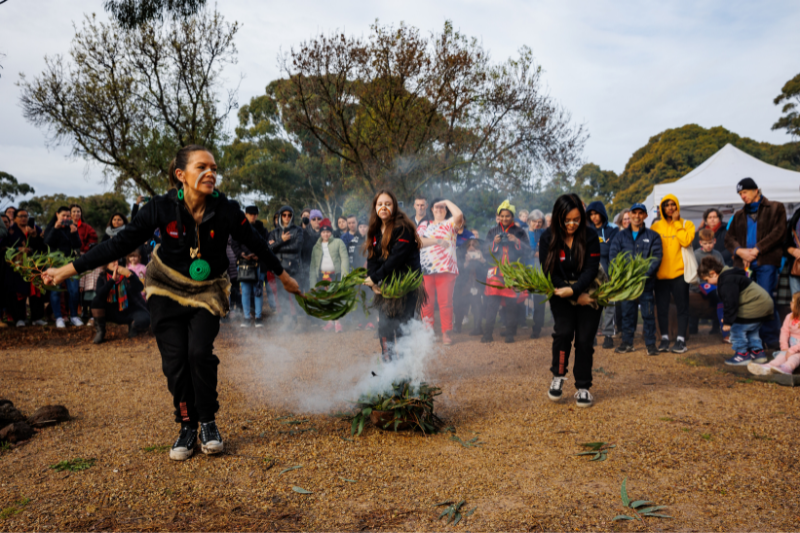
(179, 233)
(568, 269)
(62, 239)
(403, 255)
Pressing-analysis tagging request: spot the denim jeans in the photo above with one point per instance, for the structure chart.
(767, 278)
(794, 284)
(254, 289)
(73, 297)
(745, 337)
(630, 316)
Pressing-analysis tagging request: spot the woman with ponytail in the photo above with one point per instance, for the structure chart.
(187, 285)
(393, 248)
(569, 251)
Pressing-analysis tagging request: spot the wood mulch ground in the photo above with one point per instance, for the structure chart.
(719, 450)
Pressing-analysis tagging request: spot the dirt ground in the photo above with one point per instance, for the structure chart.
(719, 450)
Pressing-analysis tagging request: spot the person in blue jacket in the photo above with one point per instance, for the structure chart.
(606, 231)
(637, 239)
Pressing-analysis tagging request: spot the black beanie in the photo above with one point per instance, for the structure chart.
(746, 183)
(251, 210)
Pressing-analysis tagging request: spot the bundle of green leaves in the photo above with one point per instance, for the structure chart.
(522, 278)
(331, 300)
(627, 276)
(32, 266)
(409, 406)
(398, 285)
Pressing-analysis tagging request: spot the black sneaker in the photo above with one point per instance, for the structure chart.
(245, 323)
(679, 347)
(624, 348)
(584, 398)
(184, 446)
(509, 339)
(259, 322)
(535, 334)
(486, 339)
(556, 387)
(608, 343)
(664, 346)
(210, 439)
(652, 350)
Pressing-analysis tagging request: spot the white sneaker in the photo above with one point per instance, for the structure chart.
(759, 370)
(21, 323)
(76, 321)
(556, 388)
(60, 323)
(40, 322)
(584, 398)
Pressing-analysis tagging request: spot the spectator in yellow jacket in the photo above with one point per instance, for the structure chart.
(675, 233)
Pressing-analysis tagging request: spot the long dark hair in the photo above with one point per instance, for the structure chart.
(180, 162)
(558, 230)
(398, 218)
(120, 215)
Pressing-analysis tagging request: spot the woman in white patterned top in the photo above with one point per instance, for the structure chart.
(439, 264)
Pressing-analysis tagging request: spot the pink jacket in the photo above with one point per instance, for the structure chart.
(790, 328)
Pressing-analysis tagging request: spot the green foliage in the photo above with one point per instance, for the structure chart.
(471, 443)
(408, 405)
(132, 13)
(96, 209)
(521, 277)
(790, 98)
(14, 509)
(32, 266)
(639, 508)
(331, 300)
(73, 465)
(673, 153)
(628, 275)
(10, 188)
(453, 512)
(157, 448)
(592, 183)
(598, 450)
(398, 285)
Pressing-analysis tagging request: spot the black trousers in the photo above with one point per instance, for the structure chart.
(491, 305)
(578, 322)
(679, 290)
(18, 311)
(391, 329)
(462, 306)
(236, 295)
(185, 337)
(538, 312)
(137, 318)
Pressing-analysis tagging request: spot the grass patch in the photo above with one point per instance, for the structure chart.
(15, 509)
(696, 361)
(666, 419)
(5, 446)
(73, 465)
(706, 436)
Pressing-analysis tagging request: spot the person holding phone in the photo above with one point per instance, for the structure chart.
(61, 235)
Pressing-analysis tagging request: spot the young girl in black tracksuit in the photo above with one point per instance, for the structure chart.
(392, 247)
(570, 252)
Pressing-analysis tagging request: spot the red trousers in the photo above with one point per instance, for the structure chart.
(439, 288)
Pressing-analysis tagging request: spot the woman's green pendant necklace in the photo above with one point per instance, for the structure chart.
(199, 270)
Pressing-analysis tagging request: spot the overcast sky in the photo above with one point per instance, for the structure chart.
(627, 70)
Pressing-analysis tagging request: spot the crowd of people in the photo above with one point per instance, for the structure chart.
(188, 258)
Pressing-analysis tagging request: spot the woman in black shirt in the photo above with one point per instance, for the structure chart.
(570, 252)
(187, 285)
(392, 246)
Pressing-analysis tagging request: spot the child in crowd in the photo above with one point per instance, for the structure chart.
(707, 242)
(135, 265)
(745, 307)
(788, 359)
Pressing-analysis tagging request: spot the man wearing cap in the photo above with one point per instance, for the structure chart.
(755, 238)
(309, 240)
(638, 239)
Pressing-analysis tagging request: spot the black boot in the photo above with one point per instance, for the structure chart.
(100, 329)
(132, 331)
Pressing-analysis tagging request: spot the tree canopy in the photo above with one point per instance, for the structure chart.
(405, 112)
(10, 188)
(129, 99)
(673, 153)
(132, 13)
(790, 98)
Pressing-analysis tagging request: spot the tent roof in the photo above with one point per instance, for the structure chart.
(714, 182)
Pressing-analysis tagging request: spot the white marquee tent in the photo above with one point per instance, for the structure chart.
(713, 184)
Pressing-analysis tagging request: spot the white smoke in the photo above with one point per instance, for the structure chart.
(313, 373)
